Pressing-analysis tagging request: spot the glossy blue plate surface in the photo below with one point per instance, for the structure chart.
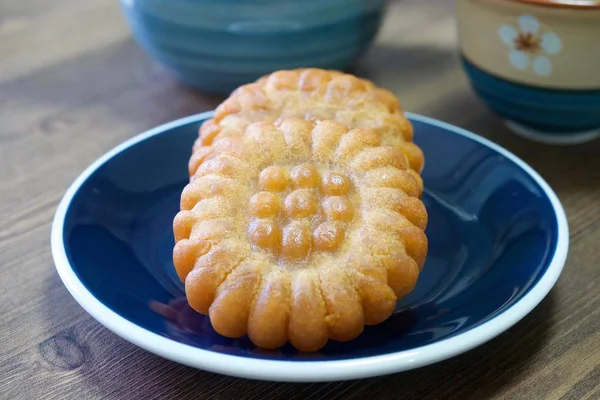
(494, 230)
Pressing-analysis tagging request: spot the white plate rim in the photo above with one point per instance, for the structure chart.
(306, 371)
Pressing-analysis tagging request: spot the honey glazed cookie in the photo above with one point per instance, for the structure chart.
(316, 94)
(306, 226)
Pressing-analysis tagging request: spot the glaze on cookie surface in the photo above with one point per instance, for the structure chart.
(316, 94)
(299, 230)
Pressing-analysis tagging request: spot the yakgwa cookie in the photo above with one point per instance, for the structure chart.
(299, 231)
(316, 94)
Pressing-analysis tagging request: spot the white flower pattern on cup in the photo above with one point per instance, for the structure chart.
(530, 43)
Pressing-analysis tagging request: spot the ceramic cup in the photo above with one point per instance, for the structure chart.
(536, 63)
(219, 45)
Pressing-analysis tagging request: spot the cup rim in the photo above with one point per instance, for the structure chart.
(577, 4)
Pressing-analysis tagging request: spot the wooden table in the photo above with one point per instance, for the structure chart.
(73, 84)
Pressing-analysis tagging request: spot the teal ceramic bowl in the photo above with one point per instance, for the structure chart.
(219, 45)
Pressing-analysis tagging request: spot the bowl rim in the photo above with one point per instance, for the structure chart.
(305, 371)
(576, 4)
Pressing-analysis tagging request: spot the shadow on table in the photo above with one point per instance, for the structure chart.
(124, 88)
(109, 366)
(405, 66)
(485, 372)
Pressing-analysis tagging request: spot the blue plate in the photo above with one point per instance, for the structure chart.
(498, 239)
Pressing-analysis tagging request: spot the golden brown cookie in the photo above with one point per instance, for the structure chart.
(299, 230)
(316, 94)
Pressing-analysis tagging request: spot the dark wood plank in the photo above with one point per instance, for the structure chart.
(72, 78)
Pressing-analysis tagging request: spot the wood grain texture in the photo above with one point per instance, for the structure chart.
(73, 84)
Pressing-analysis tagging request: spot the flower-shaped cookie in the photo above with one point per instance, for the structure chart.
(316, 94)
(299, 230)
